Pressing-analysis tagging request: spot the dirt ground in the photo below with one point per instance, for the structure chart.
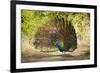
(35, 56)
(29, 54)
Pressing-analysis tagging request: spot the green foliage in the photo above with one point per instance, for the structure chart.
(31, 20)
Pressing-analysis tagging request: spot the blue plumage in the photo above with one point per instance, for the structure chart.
(58, 46)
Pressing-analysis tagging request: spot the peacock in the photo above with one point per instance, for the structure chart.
(59, 46)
